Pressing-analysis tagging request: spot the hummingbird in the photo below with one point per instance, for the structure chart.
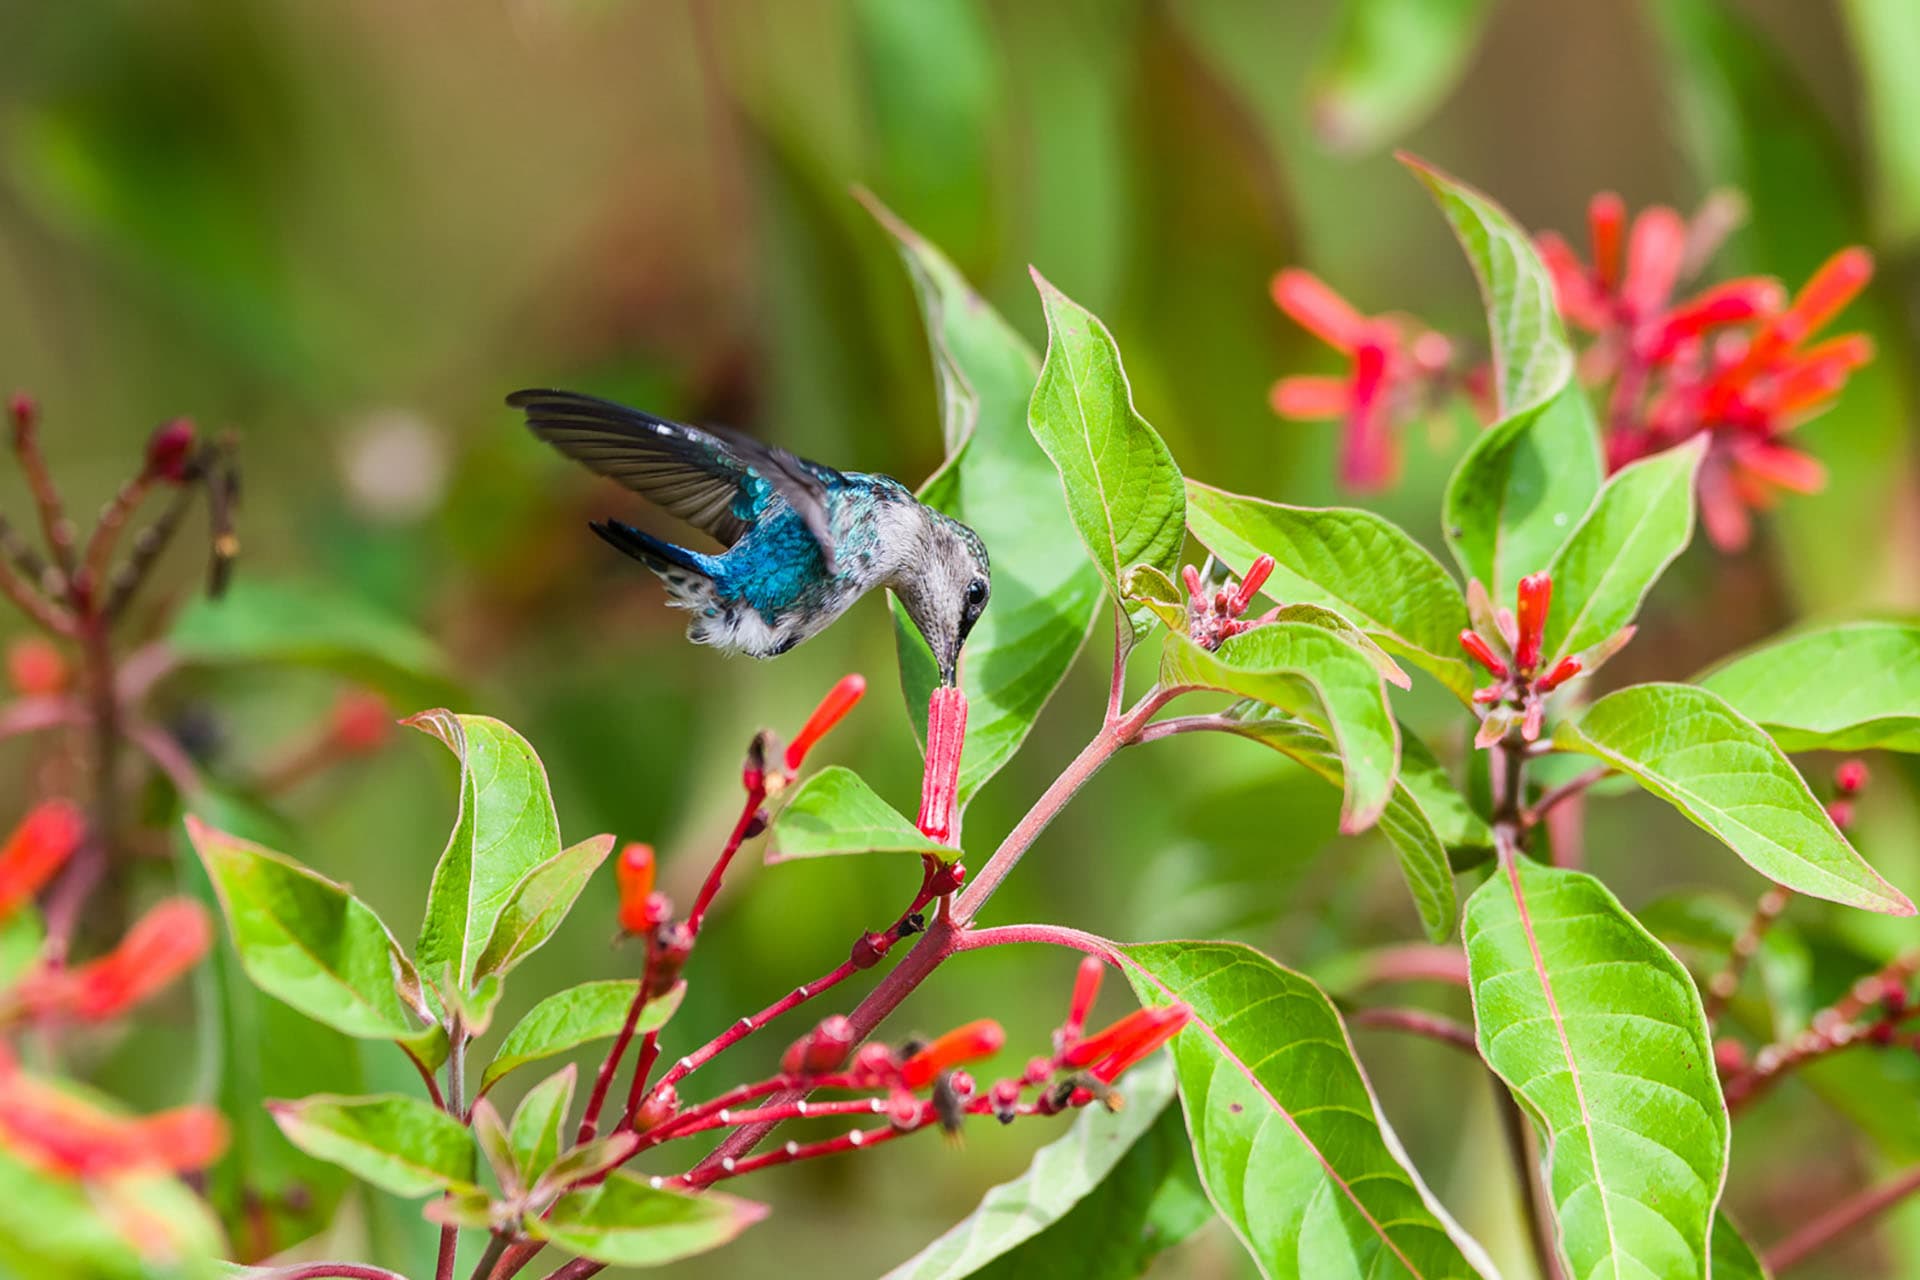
(803, 541)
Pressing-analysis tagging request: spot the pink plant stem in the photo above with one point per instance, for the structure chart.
(1414, 962)
(449, 1249)
(1051, 934)
(755, 796)
(1122, 645)
(1566, 790)
(1722, 985)
(642, 1070)
(603, 1079)
(322, 1270)
(1838, 1221)
(787, 1111)
(857, 1139)
(1420, 1023)
(748, 1025)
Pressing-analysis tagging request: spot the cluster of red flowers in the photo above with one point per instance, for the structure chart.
(1214, 618)
(1737, 360)
(1510, 644)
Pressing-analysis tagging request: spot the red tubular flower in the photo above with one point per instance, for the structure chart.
(67, 1136)
(362, 722)
(633, 874)
(1728, 303)
(1110, 1052)
(1563, 671)
(37, 849)
(1257, 574)
(36, 668)
(1086, 989)
(1391, 362)
(168, 450)
(1536, 594)
(1476, 645)
(940, 784)
(1606, 221)
(1655, 249)
(974, 1041)
(832, 709)
(161, 946)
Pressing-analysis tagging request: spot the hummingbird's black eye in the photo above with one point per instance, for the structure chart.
(976, 593)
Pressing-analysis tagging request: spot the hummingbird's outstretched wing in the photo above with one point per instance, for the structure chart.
(716, 481)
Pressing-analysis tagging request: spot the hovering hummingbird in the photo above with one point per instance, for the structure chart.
(803, 540)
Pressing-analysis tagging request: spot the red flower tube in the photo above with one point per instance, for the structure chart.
(974, 1041)
(162, 945)
(832, 709)
(633, 874)
(38, 848)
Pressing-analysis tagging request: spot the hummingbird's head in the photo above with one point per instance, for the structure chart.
(945, 588)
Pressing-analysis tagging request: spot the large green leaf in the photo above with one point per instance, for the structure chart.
(1123, 487)
(538, 903)
(1640, 523)
(1091, 1203)
(313, 626)
(1309, 672)
(576, 1016)
(1848, 687)
(400, 1144)
(1289, 1141)
(1733, 1257)
(1600, 1034)
(835, 812)
(996, 479)
(1687, 746)
(506, 827)
(1352, 561)
(307, 941)
(1388, 63)
(626, 1223)
(537, 1133)
(1516, 495)
(1423, 855)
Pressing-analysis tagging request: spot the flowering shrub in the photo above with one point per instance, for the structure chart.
(1620, 1070)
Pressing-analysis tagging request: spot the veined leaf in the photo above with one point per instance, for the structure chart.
(1423, 857)
(626, 1223)
(835, 812)
(576, 1016)
(506, 827)
(538, 903)
(538, 1130)
(1146, 587)
(1289, 1141)
(1123, 488)
(1733, 1257)
(1687, 746)
(1351, 561)
(307, 941)
(997, 480)
(400, 1144)
(1850, 687)
(1086, 1206)
(1328, 620)
(1388, 64)
(1311, 673)
(1640, 523)
(1600, 1034)
(1517, 494)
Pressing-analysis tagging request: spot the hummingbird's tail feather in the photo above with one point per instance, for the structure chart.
(660, 556)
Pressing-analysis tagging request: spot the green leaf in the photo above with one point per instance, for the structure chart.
(1152, 590)
(1850, 687)
(1423, 856)
(835, 812)
(1885, 36)
(1351, 561)
(538, 1130)
(399, 1144)
(576, 1016)
(1084, 1206)
(21, 937)
(1733, 1257)
(1518, 492)
(1310, 673)
(1638, 526)
(997, 480)
(1687, 746)
(307, 941)
(1389, 63)
(1123, 487)
(1600, 1034)
(506, 827)
(1289, 1141)
(1462, 830)
(311, 625)
(626, 1223)
(538, 903)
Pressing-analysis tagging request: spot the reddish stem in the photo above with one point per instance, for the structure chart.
(320, 1270)
(746, 1026)
(1840, 1220)
(755, 796)
(642, 1070)
(1722, 985)
(1420, 1023)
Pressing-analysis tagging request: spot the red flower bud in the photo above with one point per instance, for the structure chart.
(1730, 1056)
(37, 849)
(1139, 1025)
(970, 1043)
(1850, 777)
(25, 412)
(961, 1082)
(1606, 220)
(1086, 989)
(940, 784)
(1654, 253)
(163, 944)
(168, 450)
(1841, 811)
(821, 1050)
(1483, 653)
(1563, 671)
(633, 874)
(1311, 398)
(1536, 594)
(1196, 589)
(873, 1064)
(1838, 281)
(36, 668)
(839, 700)
(657, 1109)
(1318, 309)
(672, 945)
(362, 722)
(1257, 574)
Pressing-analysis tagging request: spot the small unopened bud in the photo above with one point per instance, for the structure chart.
(1729, 1056)
(821, 1050)
(962, 1083)
(1039, 1071)
(1257, 575)
(753, 770)
(36, 668)
(1536, 595)
(1482, 652)
(1086, 989)
(868, 949)
(633, 873)
(874, 1063)
(832, 709)
(1850, 777)
(168, 450)
(1841, 811)
(657, 1109)
(903, 1109)
(362, 722)
(947, 878)
(672, 945)
(1563, 671)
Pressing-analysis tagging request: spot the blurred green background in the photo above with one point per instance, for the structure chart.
(347, 230)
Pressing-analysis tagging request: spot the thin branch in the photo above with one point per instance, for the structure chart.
(1412, 962)
(1420, 1023)
(496, 1246)
(1721, 987)
(1054, 935)
(1122, 646)
(1840, 1220)
(1533, 1191)
(603, 1078)
(449, 1250)
(321, 1270)
(756, 795)
(1565, 791)
(46, 499)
